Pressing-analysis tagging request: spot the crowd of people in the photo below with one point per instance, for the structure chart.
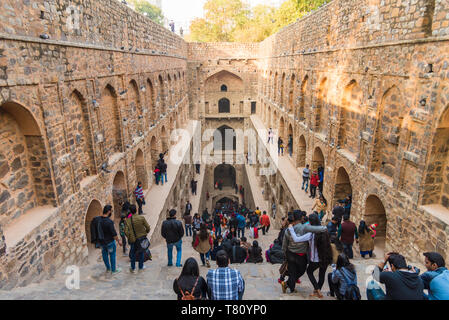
(317, 244)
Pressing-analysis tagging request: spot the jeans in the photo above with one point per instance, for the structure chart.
(163, 174)
(188, 230)
(240, 230)
(312, 191)
(290, 151)
(218, 230)
(134, 255)
(140, 203)
(265, 229)
(281, 150)
(306, 182)
(364, 253)
(158, 176)
(178, 246)
(347, 249)
(124, 243)
(321, 275)
(108, 252)
(334, 288)
(207, 254)
(297, 266)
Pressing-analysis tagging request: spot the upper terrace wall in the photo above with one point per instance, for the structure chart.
(346, 23)
(106, 23)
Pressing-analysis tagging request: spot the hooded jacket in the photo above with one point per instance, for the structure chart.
(341, 275)
(402, 285)
(241, 221)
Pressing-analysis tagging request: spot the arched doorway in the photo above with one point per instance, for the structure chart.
(224, 138)
(154, 151)
(224, 105)
(350, 117)
(161, 95)
(219, 201)
(226, 174)
(317, 158)
(25, 176)
(321, 118)
(110, 117)
(282, 129)
(343, 186)
(141, 173)
(164, 139)
(119, 194)
(95, 209)
(302, 103)
(375, 213)
(302, 149)
(436, 187)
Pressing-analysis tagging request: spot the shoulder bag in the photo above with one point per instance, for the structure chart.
(142, 243)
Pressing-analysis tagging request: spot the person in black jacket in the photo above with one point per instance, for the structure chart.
(172, 231)
(238, 254)
(163, 167)
(402, 282)
(190, 281)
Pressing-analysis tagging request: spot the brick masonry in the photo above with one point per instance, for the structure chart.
(361, 85)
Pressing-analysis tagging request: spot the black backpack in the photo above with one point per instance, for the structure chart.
(352, 290)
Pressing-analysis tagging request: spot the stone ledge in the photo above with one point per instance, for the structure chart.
(411, 156)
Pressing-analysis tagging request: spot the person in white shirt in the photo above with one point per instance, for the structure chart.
(320, 253)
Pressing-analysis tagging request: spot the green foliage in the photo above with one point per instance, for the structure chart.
(151, 11)
(234, 21)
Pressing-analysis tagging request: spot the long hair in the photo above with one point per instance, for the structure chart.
(204, 234)
(363, 227)
(343, 261)
(323, 245)
(190, 268)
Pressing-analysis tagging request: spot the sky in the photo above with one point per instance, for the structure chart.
(184, 11)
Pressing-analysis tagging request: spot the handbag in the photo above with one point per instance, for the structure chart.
(142, 243)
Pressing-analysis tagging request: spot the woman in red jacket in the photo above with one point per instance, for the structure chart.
(314, 181)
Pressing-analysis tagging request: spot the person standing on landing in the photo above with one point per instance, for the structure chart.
(140, 199)
(136, 228)
(346, 233)
(305, 178)
(172, 231)
(265, 222)
(105, 232)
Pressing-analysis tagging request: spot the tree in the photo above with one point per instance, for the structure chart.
(233, 20)
(149, 10)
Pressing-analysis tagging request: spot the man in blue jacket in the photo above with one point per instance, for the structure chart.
(241, 224)
(436, 279)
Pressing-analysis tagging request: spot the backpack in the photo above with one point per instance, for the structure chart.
(352, 290)
(187, 295)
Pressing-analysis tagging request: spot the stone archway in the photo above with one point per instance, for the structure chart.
(141, 173)
(282, 129)
(95, 209)
(25, 172)
(375, 213)
(224, 138)
(154, 151)
(343, 187)
(302, 149)
(164, 139)
(224, 105)
(119, 194)
(436, 184)
(317, 158)
(226, 173)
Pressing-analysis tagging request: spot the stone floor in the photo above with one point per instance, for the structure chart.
(156, 281)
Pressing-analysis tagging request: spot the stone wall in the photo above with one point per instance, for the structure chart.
(75, 110)
(376, 73)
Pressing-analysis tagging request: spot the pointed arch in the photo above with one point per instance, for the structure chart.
(110, 117)
(387, 133)
(302, 99)
(350, 117)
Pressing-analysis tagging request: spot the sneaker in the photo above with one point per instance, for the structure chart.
(118, 270)
(140, 270)
(208, 263)
(179, 266)
(169, 265)
(284, 287)
(131, 270)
